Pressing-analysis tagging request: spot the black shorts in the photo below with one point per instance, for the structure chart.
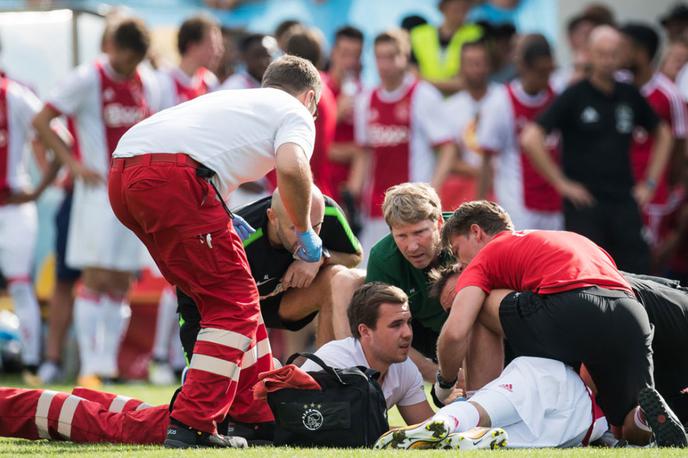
(424, 340)
(269, 308)
(606, 330)
(666, 304)
(63, 272)
(190, 319)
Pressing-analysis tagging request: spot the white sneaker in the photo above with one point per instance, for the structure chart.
(476, 438)
(161, 374)
(49, 373)
(428, 434)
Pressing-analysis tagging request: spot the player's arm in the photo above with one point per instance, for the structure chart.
(415, 413)
(533, 141)
(659, 157)
(452, 344)
(446, 155)
(53, 141)
(427, 368)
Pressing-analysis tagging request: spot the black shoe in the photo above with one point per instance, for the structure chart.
(665, 425)
(181, 436)
(255, 433)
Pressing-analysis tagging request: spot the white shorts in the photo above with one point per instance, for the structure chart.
(373, 230)
(96, 237)
(551, 399)
(547, 221)
(18, 229)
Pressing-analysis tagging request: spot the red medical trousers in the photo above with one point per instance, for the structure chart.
(183, 224)
(84, 416)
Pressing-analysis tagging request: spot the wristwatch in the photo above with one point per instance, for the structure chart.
(444, 384)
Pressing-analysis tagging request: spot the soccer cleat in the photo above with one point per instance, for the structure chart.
(476, 438)
(180, 436)
(428, 434)
(665, 426)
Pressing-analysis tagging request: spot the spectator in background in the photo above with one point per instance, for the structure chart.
(642, 43)
(675, 21)
(231, 58)
(501, 39)
(199, 42)
(436, 51)
(343, 79)
(401, 123)
(596, 118)
(284, 29)
(463, 108)
(674, 58)
(257, 51)
(307, 43)
(524, 194)
(104, 98)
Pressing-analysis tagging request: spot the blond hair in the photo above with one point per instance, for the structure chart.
(411, 203)
(398, 37)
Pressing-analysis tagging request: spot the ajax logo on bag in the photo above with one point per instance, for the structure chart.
(312, 418)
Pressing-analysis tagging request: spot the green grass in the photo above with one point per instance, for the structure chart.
(161, 395)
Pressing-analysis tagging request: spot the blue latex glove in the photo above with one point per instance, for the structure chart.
(308, 247)
(242, 228)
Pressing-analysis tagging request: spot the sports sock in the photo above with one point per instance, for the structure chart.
(87, 313)
(165, 324)
(27, 310)
(459, 416)
(115, 314)
(499, 408)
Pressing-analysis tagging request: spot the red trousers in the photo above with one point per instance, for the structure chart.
(85, 416)
(190, 236)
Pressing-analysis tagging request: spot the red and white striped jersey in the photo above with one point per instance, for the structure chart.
(240, 80)
(18, 106)
(664, 97)
(518, 187)
(401, 128)
(177, 87)
(102, 107)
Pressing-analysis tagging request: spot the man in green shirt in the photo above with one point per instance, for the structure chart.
(404, 259)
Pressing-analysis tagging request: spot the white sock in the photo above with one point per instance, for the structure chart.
(115, 315)
(87, 313)
(459, 416)
(165, 325)
(28, 312)
(498, 406)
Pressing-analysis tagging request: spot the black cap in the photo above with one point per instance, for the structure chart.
(678, 12)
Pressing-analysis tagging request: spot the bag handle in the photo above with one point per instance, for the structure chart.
(319, 362)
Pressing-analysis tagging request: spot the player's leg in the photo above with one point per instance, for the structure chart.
(298, 306)
(61, 303)
(345, 283)
(626, 243)
(160, 370)
(16, 258)
(115, 315)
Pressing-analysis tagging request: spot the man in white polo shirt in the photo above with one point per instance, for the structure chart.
(380, 321)
(167, 182)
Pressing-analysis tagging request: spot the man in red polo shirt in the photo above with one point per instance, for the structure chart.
(568, 302)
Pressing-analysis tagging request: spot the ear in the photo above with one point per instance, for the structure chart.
(272, 217)
(440, 223)
(363, 330)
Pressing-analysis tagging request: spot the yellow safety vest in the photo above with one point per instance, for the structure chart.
(434, 63)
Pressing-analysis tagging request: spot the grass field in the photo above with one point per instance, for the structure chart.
(161, 395)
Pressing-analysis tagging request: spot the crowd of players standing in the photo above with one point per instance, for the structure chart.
(449, 110)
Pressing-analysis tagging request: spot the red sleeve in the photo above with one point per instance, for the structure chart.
(325, 127)
(476, 274)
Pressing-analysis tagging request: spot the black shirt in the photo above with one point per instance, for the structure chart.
(268, 263)
(597, 130)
